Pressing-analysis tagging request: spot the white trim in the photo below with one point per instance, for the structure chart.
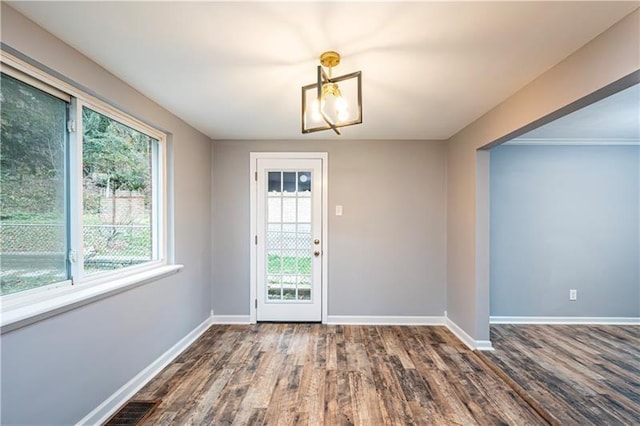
(231, 319)
(325, 236)
(484, 345)
(574, 141)
(566, 320)
(158, 179)
(470, 342)
(76, 190)
(253, 252)
(31, 81)
(384, 320)
(21, 312)
(253, 168)
(105, 410)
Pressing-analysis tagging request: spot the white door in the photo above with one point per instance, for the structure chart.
(289, 252)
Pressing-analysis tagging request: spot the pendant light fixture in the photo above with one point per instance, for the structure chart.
(331, 102)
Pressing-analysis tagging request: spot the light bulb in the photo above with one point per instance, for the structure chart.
(342, 109)
(333, 105)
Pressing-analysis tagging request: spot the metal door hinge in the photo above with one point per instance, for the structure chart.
(256, 240)
(256, 303)
(71, 126)
(256, 176)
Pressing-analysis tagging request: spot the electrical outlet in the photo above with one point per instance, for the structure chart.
(573, 294)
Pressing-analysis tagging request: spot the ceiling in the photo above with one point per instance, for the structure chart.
(234, 70)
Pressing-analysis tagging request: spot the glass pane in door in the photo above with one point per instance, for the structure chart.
(289, 246)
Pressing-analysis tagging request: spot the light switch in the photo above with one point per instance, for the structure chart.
(338, 210)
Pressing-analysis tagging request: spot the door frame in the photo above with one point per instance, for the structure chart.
(253, 195)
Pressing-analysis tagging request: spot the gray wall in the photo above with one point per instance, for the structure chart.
(386, 253)
(609, 57)
(565, 217)
(56, 371)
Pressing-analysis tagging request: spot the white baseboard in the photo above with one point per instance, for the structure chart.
(383, 320)
(484, 345)
(231, 319)
(105, 410)
(470, 342)
(566, 320)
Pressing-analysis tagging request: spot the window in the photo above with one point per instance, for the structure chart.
(117, 181)
(81, 188)
(33, 224)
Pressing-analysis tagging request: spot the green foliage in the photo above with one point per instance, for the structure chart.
(114, 156)
(91, 203)
(26, 195)
(32, 150)
(289, 265)
(33, 130)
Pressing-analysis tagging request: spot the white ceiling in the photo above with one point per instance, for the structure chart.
(234, 70)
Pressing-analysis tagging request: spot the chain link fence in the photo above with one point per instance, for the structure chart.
(34, 254)
(109, 247)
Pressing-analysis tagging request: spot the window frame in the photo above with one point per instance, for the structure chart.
(158, 176)
(31, 305)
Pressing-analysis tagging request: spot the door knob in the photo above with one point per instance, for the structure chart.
(316, 253)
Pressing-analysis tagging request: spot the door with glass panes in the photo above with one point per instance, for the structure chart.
(289, 246)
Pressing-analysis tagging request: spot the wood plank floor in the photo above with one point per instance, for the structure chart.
(579, 375)
(314, 374)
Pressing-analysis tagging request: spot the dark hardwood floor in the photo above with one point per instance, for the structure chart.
(314, 374)
(578, 374)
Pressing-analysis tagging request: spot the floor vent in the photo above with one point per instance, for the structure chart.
(132, 413)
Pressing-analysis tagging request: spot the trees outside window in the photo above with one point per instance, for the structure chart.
(119, 167)
(33, 226)
(117, 196)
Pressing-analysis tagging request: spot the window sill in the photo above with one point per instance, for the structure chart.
(14, 316)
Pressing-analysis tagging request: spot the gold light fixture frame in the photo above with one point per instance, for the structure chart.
(329, 60)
